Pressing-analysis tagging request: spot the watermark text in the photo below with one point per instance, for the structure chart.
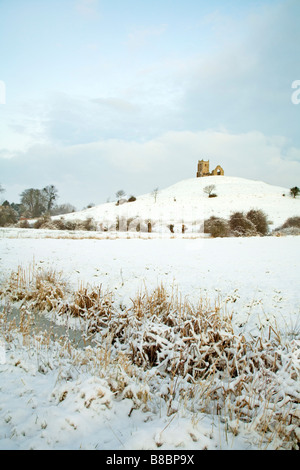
(296, 94)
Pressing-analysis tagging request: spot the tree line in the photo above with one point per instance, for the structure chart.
(33, 203)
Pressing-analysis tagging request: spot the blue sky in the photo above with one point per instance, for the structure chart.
(106, 95)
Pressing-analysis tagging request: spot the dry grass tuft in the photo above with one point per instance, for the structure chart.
(91, 305)
(42, 289)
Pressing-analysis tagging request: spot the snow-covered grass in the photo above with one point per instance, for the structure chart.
(197, 343)
(185, 370)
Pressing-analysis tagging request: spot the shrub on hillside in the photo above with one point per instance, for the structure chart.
(294, 231)
(259, 219)
(241, 226)
(88, 224)
(42, 221)
(294, 191)
(290, 227)
(217, 227)
(59, 224)
(23, 223)
(68, 224)
(45, 222)
(292, 222)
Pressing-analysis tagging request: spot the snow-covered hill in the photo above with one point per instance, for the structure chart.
(186, 203)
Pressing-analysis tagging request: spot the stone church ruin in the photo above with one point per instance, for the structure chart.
(203, 169)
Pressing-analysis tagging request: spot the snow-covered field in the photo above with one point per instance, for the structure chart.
(50, 398)
(56, 395)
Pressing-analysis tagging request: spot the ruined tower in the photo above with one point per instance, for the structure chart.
(203, 168)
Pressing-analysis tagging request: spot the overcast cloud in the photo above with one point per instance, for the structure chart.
(100, 97)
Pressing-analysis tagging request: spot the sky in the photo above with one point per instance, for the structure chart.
(102, 95)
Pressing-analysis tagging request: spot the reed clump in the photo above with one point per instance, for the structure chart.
(91, 305)
(193, 349)
(39, 288)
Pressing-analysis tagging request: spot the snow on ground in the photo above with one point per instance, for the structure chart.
(35, 415)
(48, 403)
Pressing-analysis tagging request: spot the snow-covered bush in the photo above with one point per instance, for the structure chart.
(259, 219)
(241, 226)
(254, 223)
(217, 227)
(46, 222)
(290, 227)
(292, 222)
(88, 224)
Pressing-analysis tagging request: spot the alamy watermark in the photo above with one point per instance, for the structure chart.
(2, 92)
(296, 95)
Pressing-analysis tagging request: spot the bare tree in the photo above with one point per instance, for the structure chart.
(155, 193)
(120, 193)
(38, 201)
(50, 194)
(209, 189)
(34, 202)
